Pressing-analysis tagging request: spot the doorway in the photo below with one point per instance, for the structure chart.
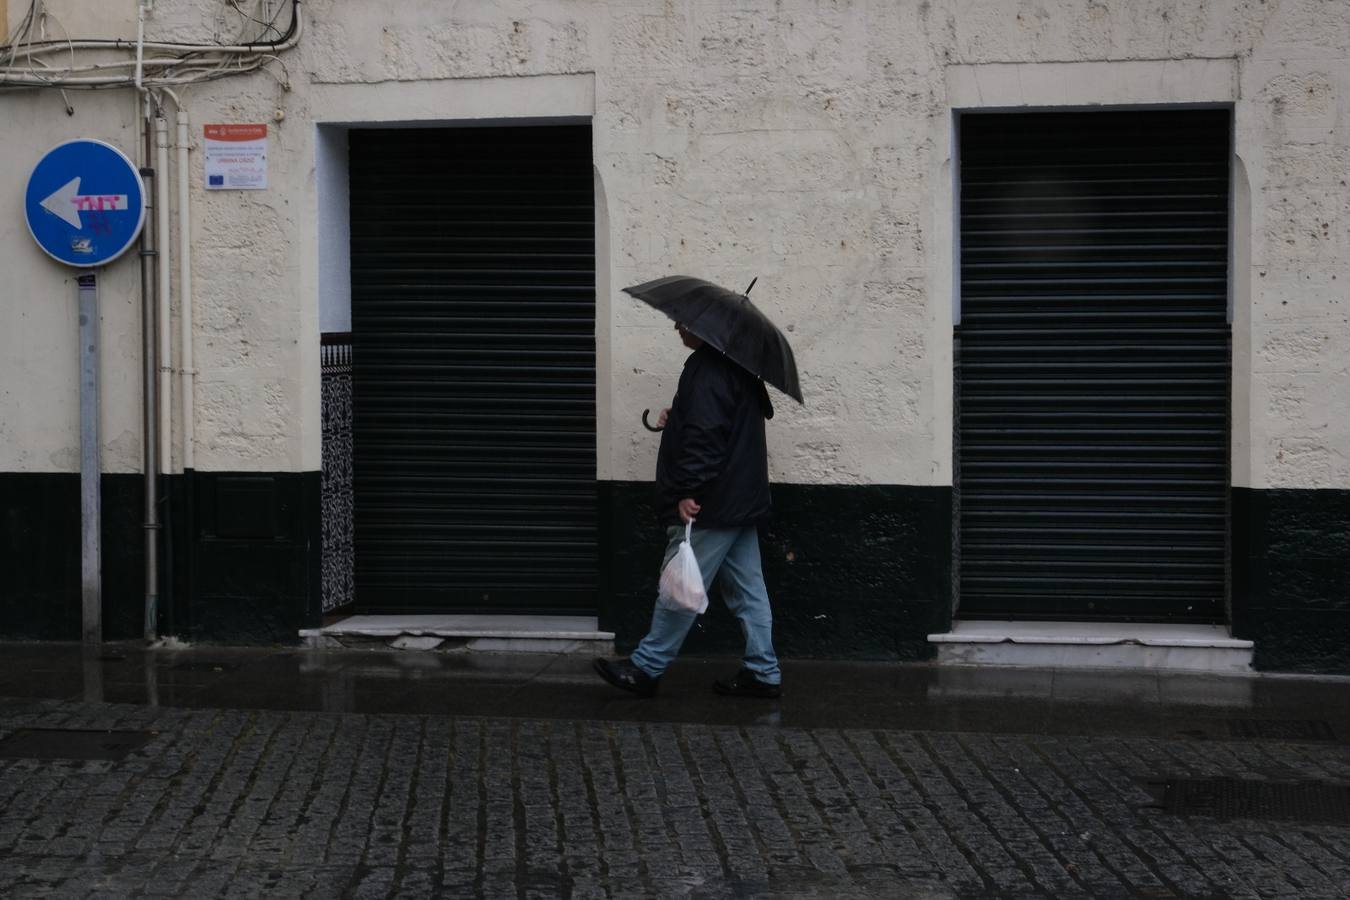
(1094, 365)
(473, 329)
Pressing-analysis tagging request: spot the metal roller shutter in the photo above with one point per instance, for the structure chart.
(1093, 365)
(473, 320)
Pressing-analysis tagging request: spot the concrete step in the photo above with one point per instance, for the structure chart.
(1195, 648)
(493, 634)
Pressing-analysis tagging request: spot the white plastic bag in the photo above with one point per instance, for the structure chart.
(681, 581)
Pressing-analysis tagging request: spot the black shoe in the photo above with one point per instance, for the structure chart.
(745, 684)
(627, 677)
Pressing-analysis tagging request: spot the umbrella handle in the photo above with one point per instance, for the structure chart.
(648, 425)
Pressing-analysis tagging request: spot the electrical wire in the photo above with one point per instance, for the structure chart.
(178, 64)
(269, 25)
(21, 31)
(124, 43)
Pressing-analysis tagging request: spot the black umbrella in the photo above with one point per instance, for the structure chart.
(728, 321)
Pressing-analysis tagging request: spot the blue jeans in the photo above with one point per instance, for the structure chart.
(732, 553)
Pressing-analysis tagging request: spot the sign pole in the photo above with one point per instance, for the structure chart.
(85, 205)
(91, 555)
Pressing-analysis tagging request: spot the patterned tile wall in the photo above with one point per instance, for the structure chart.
(339, 588)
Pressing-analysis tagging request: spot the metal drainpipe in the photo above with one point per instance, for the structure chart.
(163, 293)
(180, 536)
(187, 509)
(150, 404)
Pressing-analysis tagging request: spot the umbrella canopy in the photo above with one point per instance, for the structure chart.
(728, 321)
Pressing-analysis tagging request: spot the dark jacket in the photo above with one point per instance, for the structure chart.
(713, 446)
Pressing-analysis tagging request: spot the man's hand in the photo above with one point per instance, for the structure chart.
(688, 510)
(661, 419)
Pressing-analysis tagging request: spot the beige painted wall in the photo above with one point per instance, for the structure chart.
(804, 142)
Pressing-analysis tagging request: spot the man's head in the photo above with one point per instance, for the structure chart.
(691, 340)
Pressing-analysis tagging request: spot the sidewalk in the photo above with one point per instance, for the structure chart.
(286, 773)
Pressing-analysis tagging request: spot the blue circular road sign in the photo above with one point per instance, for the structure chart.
(85, 203)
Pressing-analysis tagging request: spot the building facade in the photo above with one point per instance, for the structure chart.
(1065, 282)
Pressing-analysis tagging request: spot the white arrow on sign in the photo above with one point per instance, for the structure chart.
(66, 202)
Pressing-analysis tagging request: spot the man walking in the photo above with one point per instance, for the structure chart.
(712, 469)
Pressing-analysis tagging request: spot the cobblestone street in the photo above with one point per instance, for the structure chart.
(225, 802)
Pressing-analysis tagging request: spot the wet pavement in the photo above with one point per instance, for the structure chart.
(284, 772)
(817, 694)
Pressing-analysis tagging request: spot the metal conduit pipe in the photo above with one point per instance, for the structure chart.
(140, 43)
(163, 283)
(188, 374)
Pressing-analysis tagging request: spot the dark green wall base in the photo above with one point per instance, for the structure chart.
(854, 572)
(40, 557)
(248, 571)
(255, 564)
(1291, 578)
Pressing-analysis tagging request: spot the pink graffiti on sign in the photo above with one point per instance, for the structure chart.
(99, 202)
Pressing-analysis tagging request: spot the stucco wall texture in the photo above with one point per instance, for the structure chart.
(804, 142)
